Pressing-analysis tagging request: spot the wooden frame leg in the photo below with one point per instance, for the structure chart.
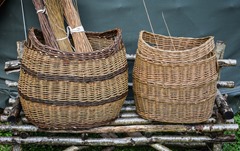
(17, 147)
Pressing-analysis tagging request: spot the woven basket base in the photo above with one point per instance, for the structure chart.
(175, 113)
(70, 117)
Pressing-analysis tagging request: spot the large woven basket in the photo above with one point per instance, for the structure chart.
(181, 89)
(64, 90)
(174, 49)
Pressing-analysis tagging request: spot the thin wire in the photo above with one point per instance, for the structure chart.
(24, 21)
(149, 20)
(168, 31)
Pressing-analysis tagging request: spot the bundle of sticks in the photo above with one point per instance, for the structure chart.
(52, 15)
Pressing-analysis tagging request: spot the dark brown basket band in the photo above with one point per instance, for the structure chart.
(72, 103)
(34, 43)
(48, 77)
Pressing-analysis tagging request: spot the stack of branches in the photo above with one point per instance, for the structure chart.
(45, 26)
(55, 33)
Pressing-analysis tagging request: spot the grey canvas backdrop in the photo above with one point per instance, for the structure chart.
(188, 18)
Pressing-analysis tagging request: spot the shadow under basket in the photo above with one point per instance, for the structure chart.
(67, 90)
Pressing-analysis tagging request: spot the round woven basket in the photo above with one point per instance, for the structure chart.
(175, 85)
(174, 49)
(64, 90)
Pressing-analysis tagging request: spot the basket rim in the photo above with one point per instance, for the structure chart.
(210, 38)
(96, 54)
(212, 56)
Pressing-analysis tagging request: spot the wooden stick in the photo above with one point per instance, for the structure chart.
(186, 145)
(130, 121)
(12, 65)
(200, 128)
(128, 109)
(129, 102)
(109, 135)
(7, 110)
(120, 121)
(17, 147)
(128, 115)
(46, 29)
(224, 109)
(227, 62)
(15, 112)
(12, 101)
(129, 141)
(71, 148)
(219, 49)
(81, 42)
(16, 65)
(11, 83)
(225, 84)
(158, 147)
(20, 48)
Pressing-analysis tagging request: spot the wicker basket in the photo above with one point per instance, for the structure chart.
(159, 47)
(179, 89)
(64, 90)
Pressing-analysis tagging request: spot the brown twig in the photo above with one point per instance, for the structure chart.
(56, 21)
(46, 29)
(81, 42)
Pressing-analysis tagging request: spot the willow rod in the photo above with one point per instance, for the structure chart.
(80, 39)
(48, 35)
(56, 21)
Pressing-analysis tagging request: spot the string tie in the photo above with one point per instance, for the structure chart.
(71, 30)
(41, 10)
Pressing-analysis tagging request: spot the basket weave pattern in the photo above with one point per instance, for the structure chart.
(64, 90)
(175, 112)
(175, 74)
(159, 47)
(175, 84)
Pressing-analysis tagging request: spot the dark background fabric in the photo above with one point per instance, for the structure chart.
(185, 18)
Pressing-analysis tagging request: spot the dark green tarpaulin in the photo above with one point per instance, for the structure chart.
(187, 18)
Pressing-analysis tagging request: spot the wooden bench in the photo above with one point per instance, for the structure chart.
(136, 130)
